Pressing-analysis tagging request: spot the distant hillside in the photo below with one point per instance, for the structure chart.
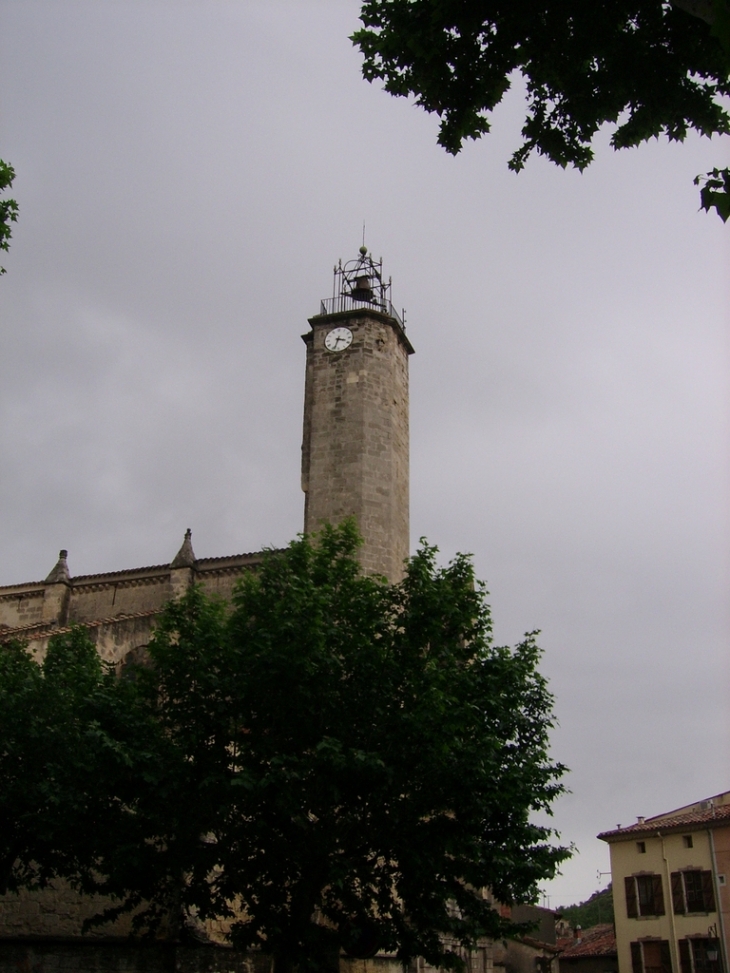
(599, 908)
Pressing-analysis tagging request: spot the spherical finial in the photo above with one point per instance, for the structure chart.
(363, 250)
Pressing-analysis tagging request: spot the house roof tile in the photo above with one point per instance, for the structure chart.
(597, 941)
(709, 817)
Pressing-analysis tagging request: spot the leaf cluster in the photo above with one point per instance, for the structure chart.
(331, 762)
(8, 207)
(74, 744)
(643, 67)
(715, 192)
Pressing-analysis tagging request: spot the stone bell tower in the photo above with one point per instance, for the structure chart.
(355, 444)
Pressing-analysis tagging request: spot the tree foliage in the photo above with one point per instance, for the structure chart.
(8, 207)
(72, 753)
(334, 762)
(596, 909)
(643, 67)
(715, 192)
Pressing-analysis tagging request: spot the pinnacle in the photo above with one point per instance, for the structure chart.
(60, 572)
(185, 557)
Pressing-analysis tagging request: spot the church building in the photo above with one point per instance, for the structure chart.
(354, 464)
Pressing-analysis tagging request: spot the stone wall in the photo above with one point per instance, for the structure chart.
(57, 912)
(355, 444)
(21, 605)
(66, 956)
(103, 598)
(118, 609)
(59, 956)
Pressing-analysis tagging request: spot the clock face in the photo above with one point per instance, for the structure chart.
(338, 339)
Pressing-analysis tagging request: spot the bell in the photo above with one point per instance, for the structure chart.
(362, 291)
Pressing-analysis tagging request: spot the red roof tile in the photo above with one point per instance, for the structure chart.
(710, 817)
(597, 941)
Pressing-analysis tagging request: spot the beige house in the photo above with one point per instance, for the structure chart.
(671, 895)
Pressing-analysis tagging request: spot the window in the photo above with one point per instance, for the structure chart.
(700, 955)
(644, 896)
(687, 840)
(651, 956)
(641, 847)
(692, 891)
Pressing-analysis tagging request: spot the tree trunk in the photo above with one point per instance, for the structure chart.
(283, 964)
(703, 9)
(326, 960)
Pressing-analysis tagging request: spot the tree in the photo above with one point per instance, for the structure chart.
(334, 762)
(72, 750)
(643, 67)
(8, 207)
(596, 909)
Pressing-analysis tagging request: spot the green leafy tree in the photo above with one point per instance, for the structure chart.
(8, 207)
(596, 909)
(72, 750)
(643, 67)
(335, 762)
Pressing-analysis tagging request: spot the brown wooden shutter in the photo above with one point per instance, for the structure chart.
(636, 964)
(708, 893)
(677, 893)
(658, 895)
(666, 957)
(684, 958)
(630, 885)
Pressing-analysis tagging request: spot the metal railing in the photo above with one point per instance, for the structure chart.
(343, 302)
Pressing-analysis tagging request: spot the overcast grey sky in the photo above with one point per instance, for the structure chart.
(188, 173)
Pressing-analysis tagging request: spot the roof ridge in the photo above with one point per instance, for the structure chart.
(664, 822)
(145, 568)
(598, 940)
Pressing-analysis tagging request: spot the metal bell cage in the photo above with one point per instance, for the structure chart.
(359, 283)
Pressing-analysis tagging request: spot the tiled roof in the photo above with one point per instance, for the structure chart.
(150, 569)
(43, 630)
(205, 561)
(201, 563)
(597, 941)
(708, 818)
